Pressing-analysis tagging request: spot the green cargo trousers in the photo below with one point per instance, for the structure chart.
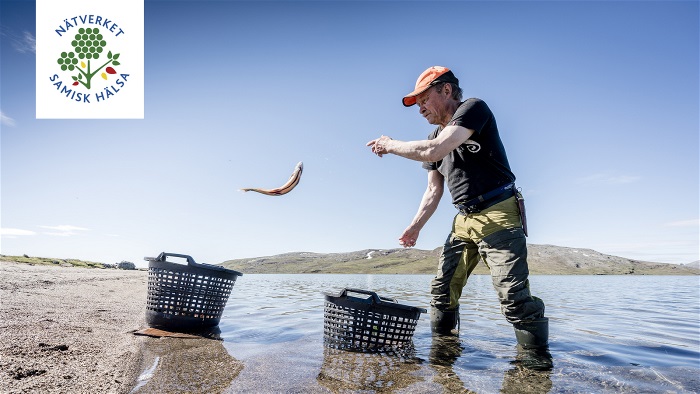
(494, 236)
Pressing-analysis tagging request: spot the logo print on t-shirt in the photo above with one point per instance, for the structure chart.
(472, 146)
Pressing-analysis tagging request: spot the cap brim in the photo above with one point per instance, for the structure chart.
(410, 99)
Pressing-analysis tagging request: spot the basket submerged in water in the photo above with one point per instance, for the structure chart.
(371, 323)
(186, 297)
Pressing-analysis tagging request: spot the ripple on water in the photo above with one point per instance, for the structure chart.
(603, 336)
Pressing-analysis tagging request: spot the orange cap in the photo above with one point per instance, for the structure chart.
(427, 79)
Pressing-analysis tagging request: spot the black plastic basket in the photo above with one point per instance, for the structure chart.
(371, 323)
(186, 297)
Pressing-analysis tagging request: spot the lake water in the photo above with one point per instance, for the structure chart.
(608, 334)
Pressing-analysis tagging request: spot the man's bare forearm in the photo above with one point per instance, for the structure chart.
(426, 150)
(429, 202)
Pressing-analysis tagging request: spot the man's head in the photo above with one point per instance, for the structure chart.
(431, 77)
(437, 94)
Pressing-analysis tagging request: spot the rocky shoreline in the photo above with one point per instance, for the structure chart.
(68, 329)
(71, 330)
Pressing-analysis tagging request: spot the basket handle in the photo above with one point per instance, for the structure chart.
(192, 263)
(164, 255)
(375, 297)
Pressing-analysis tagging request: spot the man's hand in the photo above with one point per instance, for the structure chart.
(379, 145)
(409, 237)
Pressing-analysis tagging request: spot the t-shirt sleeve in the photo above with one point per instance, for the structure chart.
(473, 114)
(431, 165)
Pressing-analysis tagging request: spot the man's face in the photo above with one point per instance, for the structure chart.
(433, 106)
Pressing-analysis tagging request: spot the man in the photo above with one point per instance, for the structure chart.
(466, 151)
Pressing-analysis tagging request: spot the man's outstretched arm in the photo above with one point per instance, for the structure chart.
(426, 150)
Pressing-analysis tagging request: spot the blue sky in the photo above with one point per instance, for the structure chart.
(597, 104)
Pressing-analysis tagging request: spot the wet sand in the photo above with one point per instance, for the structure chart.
(67, 329)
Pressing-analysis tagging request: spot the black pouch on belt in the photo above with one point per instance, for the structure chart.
(521, 208)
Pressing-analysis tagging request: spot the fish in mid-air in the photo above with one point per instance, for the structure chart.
(284, 189)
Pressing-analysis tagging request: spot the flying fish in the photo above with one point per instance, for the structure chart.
(284, 189)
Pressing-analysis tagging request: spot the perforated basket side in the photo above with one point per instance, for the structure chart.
(367, 328)
(180, 295)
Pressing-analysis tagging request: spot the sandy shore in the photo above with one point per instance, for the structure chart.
(70, 330)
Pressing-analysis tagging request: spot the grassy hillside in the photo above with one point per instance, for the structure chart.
(52, 261)
(542, 259)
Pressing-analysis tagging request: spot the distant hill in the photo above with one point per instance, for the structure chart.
(542, 259)
(52, 261)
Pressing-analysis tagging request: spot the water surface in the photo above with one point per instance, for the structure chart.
(616, 334)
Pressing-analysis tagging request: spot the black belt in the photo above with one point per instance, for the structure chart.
(486, 200)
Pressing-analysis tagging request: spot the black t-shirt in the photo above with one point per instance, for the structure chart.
(480, 164)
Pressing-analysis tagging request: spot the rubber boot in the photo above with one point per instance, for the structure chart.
(532, 334)
(444, 322)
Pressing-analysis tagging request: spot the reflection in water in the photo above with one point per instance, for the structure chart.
(538, 359)
(187, 366)
(146, 375)
(444, 351)
(531, 372)
(603, 343)
(358, 371)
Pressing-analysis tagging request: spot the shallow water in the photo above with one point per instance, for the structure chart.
(616, 334)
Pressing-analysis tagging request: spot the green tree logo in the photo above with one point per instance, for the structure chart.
(88, 45)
